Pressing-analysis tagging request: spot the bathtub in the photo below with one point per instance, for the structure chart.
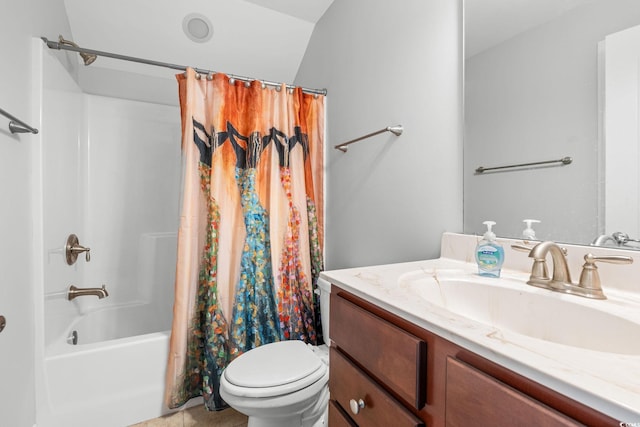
(114, 375)
(114, 323)
(110, 378)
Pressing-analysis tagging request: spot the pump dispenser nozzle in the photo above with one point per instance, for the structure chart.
(489, 235)
(529, 233)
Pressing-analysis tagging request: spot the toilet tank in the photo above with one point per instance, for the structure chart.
(324, 289)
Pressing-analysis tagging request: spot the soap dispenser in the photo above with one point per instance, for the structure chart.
(528, 233)
(489, 253)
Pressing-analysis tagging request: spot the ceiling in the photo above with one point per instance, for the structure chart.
(490, 22)
(264, 39)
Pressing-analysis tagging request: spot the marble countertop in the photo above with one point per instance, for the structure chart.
(606, 381)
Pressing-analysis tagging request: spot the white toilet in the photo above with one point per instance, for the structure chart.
(283, 384)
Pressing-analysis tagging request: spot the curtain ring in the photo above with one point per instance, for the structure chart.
(232, 80)
(210, 76)
(247, 84)
(262, 84)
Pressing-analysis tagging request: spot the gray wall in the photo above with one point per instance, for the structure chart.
(533, 98)
(19, 21)
(390, 198)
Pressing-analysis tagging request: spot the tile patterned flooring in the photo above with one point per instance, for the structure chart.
(198, 417)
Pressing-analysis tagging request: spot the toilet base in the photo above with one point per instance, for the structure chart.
(274, 422)
(322, 421)
(317, 415)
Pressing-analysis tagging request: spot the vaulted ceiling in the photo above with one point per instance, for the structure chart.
(490, 22)
(264, 39)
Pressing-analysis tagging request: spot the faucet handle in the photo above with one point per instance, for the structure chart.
(522, 248)
(590, 279)
(74, 248)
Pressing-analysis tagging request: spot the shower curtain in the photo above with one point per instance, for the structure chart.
(251, 227)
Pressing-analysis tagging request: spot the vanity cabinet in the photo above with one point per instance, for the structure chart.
(474, 398)
(386, 371)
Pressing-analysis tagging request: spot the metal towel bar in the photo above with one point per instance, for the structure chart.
(565, 161)
(16, 125)
(396, 130)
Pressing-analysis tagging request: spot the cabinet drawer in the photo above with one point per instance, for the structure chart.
(347, 382)
(394, 357)
(474, 398)
(337, 417)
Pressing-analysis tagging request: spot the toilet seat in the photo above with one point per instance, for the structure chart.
(273, 369)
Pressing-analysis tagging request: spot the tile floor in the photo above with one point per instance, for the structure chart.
(198, 417)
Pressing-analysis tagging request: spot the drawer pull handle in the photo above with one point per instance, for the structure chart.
(356, 406)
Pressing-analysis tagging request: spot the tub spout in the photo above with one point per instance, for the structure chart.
(75, 292)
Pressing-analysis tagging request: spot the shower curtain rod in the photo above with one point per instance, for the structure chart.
(56, 45)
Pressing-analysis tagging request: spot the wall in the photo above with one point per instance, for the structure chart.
(129, 85)
(19, 22)
(389, 199)
(132, 200)
(534, 98)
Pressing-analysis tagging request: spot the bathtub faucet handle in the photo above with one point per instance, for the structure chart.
(79, 249)
(74, 248)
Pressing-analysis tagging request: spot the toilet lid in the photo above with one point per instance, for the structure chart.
(289, 365)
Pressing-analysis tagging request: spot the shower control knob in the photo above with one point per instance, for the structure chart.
(74, 248)
(3, 323)
(356, 406)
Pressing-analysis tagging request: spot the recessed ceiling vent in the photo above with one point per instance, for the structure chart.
(197, 27)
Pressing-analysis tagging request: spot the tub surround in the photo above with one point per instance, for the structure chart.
(604, 381)
(111, 367)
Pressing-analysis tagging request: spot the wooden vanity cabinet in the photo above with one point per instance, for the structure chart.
(377, 365)
(386, 371)
(338, 417)
(474, 398)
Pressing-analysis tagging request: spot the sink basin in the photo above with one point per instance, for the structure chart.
(511, 305)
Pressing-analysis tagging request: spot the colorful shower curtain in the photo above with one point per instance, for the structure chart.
(251, 228)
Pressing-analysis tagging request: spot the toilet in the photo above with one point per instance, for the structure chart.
(282, 384)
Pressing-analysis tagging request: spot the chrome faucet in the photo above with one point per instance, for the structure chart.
(589, 285)
(603, 239)
(617, 238)
(75, 292)
(623, 238)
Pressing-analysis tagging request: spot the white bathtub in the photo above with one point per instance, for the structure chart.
(122, 321)
(108, 381)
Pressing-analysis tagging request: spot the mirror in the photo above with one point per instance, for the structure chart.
(533, 93)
